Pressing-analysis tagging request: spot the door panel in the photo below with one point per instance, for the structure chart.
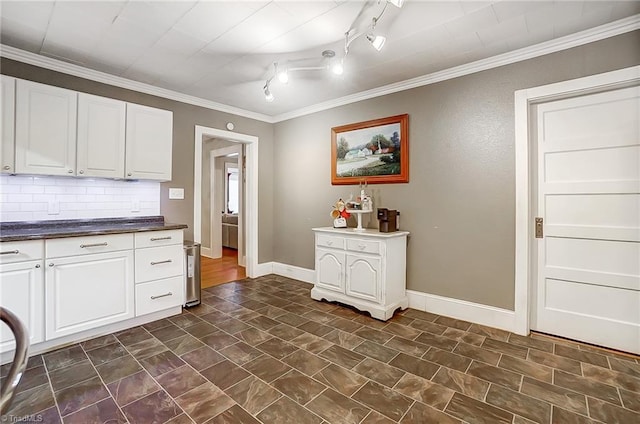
(329, 266)
(588, 284)
(363, 277)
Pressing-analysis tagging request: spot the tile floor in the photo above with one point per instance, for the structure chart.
(261, 350)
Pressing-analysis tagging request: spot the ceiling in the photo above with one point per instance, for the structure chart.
(223, 51)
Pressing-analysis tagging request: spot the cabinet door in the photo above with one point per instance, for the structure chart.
(101, 130)
(8, 111)
(22, 289)
(45, 129)
(330, 270)
(149, 143)
(363, 277)
(88, 292)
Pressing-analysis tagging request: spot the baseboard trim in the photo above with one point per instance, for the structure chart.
(295, 272)
(265, 268)
(205, 251)
(490, 316)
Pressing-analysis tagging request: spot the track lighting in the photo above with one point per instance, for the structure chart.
(329, 61)
(377, 41)
(283, 74)
(268, 95)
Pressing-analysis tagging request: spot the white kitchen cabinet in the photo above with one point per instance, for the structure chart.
(8, 111)
(45, 131)
(159, 275)
(149, 136)
(101, 137)
(87, 291)
(22, 289)
(365, 269)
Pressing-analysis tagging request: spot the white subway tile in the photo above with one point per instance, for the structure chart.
(16, 216)
(33, 207)
(19, 179)
(19, 197)
(33, 189)
(8, 188)
(9, 207)
(55, 189)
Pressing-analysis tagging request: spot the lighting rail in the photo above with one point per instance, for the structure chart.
(335, 66)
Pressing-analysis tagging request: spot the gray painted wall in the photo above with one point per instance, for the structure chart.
(185, 118)
(460, 202)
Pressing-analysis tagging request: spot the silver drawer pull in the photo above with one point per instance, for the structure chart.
(362, 246)
(82, 246)
(161, 295)
(10, 252)
(329, 243)
(168, 261)
(160, 238)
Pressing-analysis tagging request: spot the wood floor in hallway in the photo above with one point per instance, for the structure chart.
(218, 271)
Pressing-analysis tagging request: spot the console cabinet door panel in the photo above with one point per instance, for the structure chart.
(330, 269)
(149, 143)
(363, 277)
(22, 290)
(88, 292)
(101, 130)
(45, 129)
(8, 111)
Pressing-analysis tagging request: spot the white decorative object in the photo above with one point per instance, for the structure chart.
(365, 269)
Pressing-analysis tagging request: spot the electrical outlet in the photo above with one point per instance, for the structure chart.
(135, 206)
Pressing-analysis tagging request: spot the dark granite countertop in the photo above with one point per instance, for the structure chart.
(35, 230)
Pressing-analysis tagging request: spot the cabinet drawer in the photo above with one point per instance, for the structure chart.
(155, 263)
(334, 242)
(20, 251)
(87, 245)
(158, 295)
(366, 246)
(158, 238)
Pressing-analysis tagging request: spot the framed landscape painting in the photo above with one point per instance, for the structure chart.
(374, 151)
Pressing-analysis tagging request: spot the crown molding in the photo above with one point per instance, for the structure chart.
(102, 77)
(601, 32)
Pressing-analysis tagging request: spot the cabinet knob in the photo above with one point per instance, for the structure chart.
(81, 171)
(37, 265)
(129, 174)
(51, 264)
(70, 171)
(7, 167)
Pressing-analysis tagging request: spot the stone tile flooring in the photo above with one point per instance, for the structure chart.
(261, 350)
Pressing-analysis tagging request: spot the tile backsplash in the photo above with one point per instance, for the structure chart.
(36, 198)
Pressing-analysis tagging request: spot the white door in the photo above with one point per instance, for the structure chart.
(22, 292)
(149, 143)
(588, 273)
(88, 291)
(8, 113)
(45, 129)
(101, 129)
(329, 265)
(363, 277)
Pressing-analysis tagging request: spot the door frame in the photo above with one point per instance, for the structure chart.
(524, 172)
(251, 196)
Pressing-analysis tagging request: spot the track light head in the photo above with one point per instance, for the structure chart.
(268, 95)
(377, 41)
(337, 68)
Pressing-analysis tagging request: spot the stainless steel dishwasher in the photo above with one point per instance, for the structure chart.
(192, 273)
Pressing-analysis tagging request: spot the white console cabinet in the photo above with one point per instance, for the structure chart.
(365, 269)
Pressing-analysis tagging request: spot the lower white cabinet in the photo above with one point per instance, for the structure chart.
(158, 295)
(22, 292)
(84, 292)
(365, 269)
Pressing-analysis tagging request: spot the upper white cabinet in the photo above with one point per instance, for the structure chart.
(101, 137)
(8, 110)
(149, 143)
(45, 129)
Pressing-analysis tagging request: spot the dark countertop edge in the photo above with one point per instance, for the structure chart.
(42, 230)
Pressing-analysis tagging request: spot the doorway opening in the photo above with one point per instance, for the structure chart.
(225, 204)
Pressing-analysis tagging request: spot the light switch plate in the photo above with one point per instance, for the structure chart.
(176, 193)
